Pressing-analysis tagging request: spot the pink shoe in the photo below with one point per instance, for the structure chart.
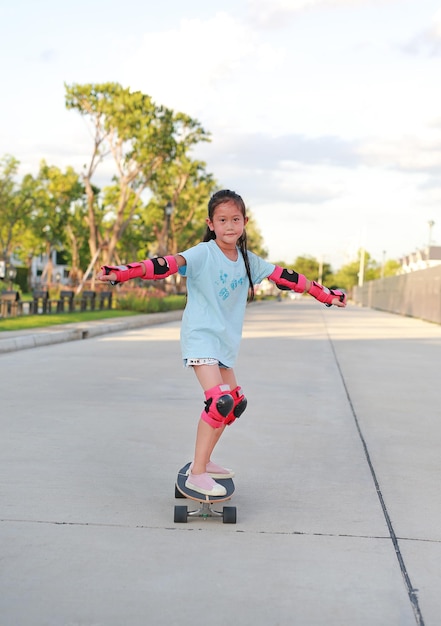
(215, 471)
(203, 483)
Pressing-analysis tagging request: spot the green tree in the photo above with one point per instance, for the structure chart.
(77, 238)
(176, 212)
(313, 268)
(142, 138)
(310, 267)
(54, 221)
(348, 276)
(16, 202)
(391, 268)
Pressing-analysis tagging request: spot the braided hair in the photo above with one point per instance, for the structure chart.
(226, 195)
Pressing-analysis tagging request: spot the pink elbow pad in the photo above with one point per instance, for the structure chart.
(288, 279)
(160, 267)
(150, 269)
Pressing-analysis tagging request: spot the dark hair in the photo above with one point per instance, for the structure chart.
(220, 197)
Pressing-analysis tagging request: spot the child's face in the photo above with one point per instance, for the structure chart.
(228, 223)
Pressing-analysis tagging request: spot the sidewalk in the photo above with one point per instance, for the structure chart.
(337, 462)
(10, 341)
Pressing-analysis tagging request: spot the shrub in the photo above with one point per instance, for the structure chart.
(144, 301)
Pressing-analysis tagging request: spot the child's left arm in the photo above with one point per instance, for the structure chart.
(291, 280)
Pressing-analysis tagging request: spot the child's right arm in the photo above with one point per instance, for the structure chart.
(150, 269)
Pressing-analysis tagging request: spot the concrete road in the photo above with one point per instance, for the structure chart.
(337, 462)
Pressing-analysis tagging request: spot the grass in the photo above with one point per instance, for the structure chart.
(28, 322)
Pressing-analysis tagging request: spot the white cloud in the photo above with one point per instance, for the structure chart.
(373, 208)
(199, 64)
(428, 41)
(276, 13)
(412, 154)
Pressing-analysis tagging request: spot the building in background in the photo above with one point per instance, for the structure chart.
(421, 259)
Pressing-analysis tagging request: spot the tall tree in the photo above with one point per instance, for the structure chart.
(142, 137)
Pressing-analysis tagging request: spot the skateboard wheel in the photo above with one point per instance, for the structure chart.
(229, 515)
(178, 494)
(181, 514)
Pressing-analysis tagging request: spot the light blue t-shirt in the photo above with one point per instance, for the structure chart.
(217, 291)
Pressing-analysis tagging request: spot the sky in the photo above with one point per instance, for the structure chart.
(325, 115)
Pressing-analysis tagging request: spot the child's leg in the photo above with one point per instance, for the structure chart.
(209, 376)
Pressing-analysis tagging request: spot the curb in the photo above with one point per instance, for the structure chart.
(87, 330)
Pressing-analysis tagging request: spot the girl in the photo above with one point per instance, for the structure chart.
(220, 274)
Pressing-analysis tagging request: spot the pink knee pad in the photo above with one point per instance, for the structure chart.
(218, 405)
(240, 404)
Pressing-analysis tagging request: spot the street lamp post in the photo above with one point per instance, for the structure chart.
(383, 263)
(361, 268)
(12, 273)
(169, 208)
(165, 238)
(431, 225)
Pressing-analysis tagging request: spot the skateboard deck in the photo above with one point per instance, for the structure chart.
(228, 514)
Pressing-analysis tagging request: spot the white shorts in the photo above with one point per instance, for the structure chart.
(207, 361)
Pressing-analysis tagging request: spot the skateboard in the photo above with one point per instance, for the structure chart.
(228, 513)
